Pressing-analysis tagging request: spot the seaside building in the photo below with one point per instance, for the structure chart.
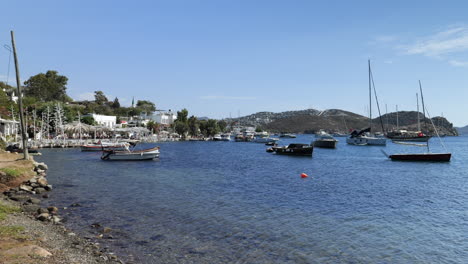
(104, 120)
(163, 118)
(8, 127)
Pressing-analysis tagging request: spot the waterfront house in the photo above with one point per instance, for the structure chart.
(104, 120)
(8, 127)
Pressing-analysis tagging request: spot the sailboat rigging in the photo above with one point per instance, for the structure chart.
(364, 137)
(428, 156)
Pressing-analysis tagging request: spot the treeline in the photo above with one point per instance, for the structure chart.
(192, 126)
(44, 90)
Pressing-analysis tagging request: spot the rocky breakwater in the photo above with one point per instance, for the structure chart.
(37, 185)
(47, 239)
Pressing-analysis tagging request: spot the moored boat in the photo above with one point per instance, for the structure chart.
(295, 149)
(287, 135)
(436, 157)
(105, 146)
(428, 156)
(404, 135)
(145, 154)
(324, 140)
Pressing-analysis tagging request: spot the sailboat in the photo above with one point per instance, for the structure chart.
(364, 137)
(428, 156)
(400, 135)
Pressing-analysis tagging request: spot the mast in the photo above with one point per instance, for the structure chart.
(417, 107)
(424, 111)
(397, 125)
(386, 115)
(370, 98)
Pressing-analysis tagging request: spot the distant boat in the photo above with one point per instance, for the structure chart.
(294, 149)
(145, 154)
(264, 138)
(222, 137)
(365, 137)
(405, 135)
(439, 157)
(324, 140)
(339, 134)
(287, 135)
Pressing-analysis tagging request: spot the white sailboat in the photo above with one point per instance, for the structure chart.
(364, 137)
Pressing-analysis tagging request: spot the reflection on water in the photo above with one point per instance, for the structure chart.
(227, 202)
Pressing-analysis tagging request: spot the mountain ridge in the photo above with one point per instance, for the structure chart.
(337, 120)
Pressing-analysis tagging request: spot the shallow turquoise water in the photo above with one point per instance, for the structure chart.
(228, 202)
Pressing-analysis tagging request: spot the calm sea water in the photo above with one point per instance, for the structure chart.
(228, 202)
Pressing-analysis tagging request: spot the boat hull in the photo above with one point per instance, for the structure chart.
(325, 143)
(130, 156)
(293, 152)
(366, 141)
(435, 157)
(411, 139)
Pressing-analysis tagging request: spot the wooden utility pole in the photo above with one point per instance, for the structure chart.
(20, 101)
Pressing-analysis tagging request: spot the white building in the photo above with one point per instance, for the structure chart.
(163, 118)
(104, 120)
(8, 127)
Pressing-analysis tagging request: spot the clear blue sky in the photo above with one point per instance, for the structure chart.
(220, 57)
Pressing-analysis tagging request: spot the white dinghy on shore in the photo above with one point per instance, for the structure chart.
(144, 154)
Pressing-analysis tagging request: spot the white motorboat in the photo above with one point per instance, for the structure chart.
(145, 154)
(100, 146)
(217, 137)
(324, 140)
(226, 137)
(265, 140)
(366, 140)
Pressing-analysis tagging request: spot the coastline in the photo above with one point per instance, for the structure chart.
(30, 233)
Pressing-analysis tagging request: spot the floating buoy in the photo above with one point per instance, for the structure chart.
(303, 175)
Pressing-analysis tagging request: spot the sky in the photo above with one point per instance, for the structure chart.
(237, 57)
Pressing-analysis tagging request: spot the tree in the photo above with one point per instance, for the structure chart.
(116, 103)
(181, 128)
(182, 115)
(193, 126)
(89, 120)
(47, 87)
(153, 126)
(258, 129)
(222, 125)
(146, 106)
(100, 98)
(211, 127)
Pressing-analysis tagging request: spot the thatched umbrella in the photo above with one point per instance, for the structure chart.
(77, 127)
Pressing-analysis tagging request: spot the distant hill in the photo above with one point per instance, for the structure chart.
(462, 130)
(336, 120)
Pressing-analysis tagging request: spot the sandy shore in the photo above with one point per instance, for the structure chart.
(27, 238)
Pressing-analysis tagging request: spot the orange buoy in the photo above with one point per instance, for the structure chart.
(303, 175)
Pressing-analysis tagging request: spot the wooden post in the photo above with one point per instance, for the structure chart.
(20, 101)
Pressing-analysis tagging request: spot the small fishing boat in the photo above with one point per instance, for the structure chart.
(145, 154)
(324, 140)
(100, 146)
(296, 149)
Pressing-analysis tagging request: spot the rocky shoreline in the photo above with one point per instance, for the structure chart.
(42, 237)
